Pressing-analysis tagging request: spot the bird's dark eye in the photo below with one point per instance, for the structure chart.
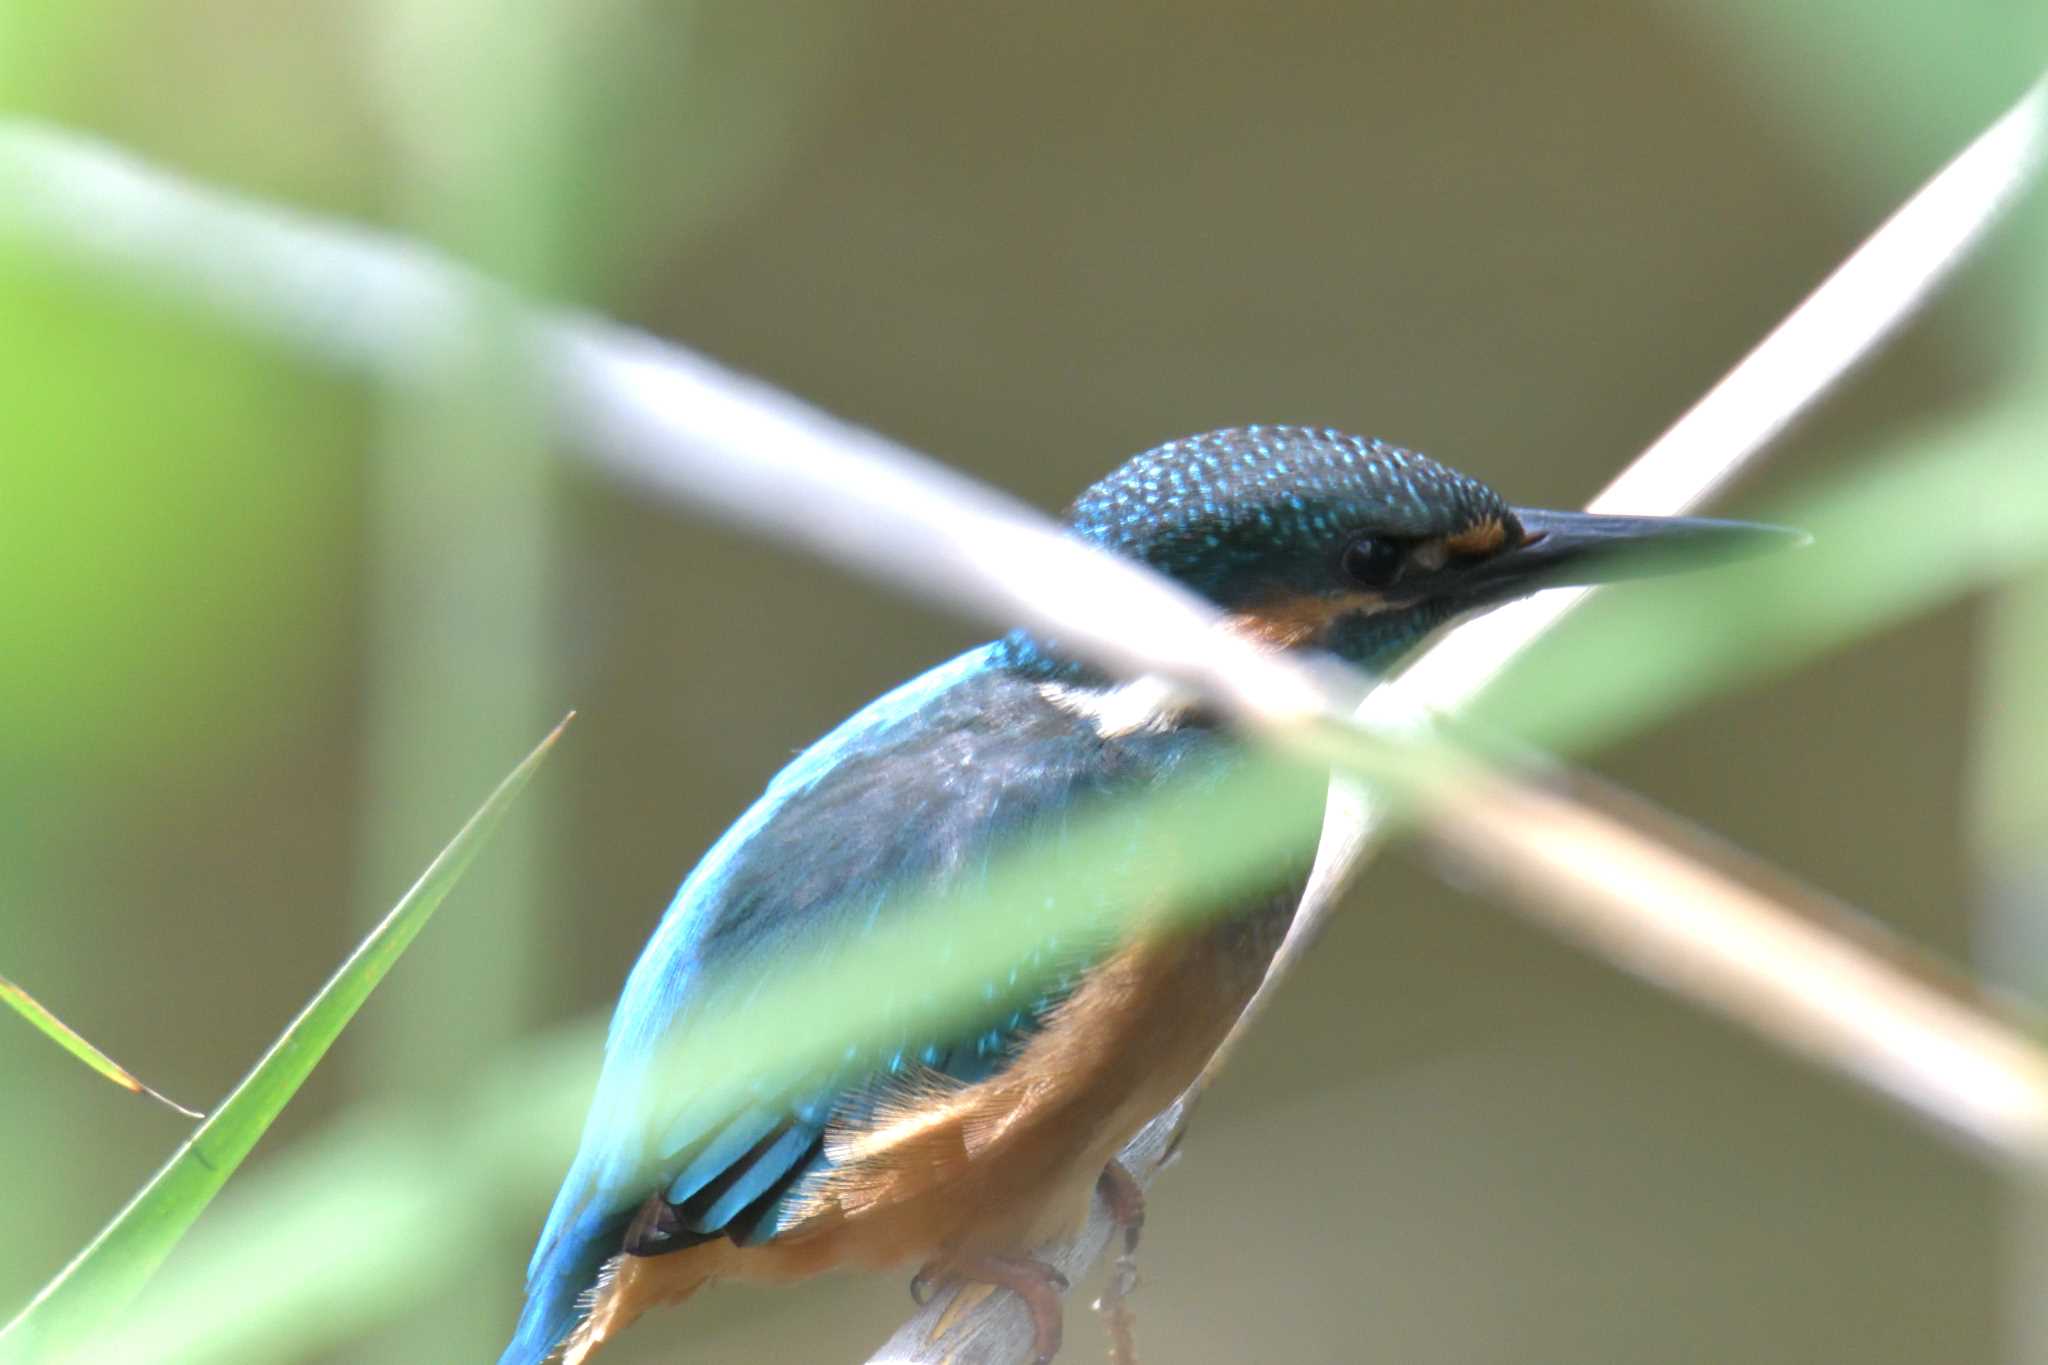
(1375, 561)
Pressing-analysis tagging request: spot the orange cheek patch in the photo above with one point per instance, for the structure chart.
(1482, 539)
(1294, 621)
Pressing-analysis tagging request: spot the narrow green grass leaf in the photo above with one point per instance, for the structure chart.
(73, 1042)
(119, 1261)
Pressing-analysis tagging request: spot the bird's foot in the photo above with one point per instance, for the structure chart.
(1035, 1282)
(1114, 1307)
(1125, 1200)
(1124, 1197)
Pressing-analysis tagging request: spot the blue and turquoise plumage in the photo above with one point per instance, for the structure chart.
(1305, 538)
(779, 877)
(604, 1184)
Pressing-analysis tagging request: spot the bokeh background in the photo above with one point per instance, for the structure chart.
(267, 636)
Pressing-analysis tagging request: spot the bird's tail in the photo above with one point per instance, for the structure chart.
(562, 1275)
(627, 1287)
(577, 1299)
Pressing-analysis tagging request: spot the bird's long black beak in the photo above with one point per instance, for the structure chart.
(1561, 549)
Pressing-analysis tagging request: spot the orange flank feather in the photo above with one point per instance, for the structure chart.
(948, 1173)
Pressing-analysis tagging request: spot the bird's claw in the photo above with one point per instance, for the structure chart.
(1036, 1283)
(1123, 1282)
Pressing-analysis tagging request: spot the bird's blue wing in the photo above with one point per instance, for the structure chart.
(912, 793)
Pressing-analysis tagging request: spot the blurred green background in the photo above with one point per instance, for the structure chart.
(270, 635)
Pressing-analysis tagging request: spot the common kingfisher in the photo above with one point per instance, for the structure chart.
(959, 1151)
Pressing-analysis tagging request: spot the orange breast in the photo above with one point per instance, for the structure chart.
(991, 1166)
(1004, 1165)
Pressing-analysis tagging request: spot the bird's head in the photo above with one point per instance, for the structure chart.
(1311, 538)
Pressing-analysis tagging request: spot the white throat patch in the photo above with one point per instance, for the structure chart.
(1147, 704)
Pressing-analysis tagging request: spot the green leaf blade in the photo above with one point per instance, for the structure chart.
(115, 1265)
(75, 1043)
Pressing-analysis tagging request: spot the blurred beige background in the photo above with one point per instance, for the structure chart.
(1031, 240)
